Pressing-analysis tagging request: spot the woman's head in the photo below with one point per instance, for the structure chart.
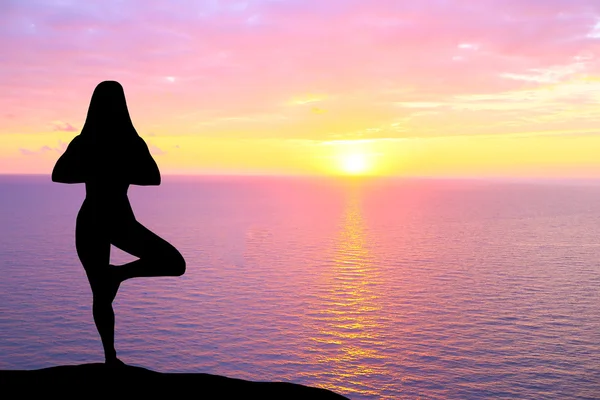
(107, 114)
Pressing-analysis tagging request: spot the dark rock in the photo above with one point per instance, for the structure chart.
(93, 380)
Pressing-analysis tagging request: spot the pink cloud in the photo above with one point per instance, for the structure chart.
(155, 150)
(64, 126)
(41, 150)
(62, 146)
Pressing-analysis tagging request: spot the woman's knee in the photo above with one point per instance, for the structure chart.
(178, 264)
(174, 261)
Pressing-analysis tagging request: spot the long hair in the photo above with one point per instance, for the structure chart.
(108, 117)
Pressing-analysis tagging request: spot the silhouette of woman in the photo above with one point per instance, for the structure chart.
(108, 156)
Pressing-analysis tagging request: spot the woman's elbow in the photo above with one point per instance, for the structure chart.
(59, 177)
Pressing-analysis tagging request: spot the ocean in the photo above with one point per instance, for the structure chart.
(373, 288)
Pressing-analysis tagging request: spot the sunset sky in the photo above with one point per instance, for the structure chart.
(500, 88)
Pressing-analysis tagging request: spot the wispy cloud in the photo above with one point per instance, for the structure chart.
(551, 74)
(60, 148)
(156, 151)
(63, 126)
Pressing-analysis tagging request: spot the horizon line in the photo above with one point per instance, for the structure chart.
(349, 177)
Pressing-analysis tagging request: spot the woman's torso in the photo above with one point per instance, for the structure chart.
(106, 203)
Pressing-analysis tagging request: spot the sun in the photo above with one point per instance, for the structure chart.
(354, 163)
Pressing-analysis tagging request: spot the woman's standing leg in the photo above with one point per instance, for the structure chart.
(93, 248)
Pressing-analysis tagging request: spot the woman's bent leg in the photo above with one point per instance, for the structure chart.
(157, 257)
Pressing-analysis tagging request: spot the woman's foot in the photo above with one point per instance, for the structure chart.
(114, 362)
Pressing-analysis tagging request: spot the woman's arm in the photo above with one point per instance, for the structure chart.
(69, 168)
(144, 171)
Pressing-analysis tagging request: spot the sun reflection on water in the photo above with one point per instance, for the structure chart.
(349, 322)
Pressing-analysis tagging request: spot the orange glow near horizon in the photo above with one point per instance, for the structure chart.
(354, 164)
(353, 157)
(491, 156)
